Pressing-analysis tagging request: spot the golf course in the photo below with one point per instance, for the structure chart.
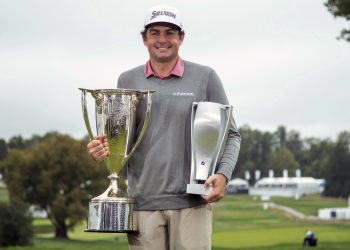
(240, 222)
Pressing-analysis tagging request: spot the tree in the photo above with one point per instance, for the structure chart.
(315, 157)
(280, 138)
(338, 170)
(282, 159)
(3, 149)
(295, 144)
(17, 142)
(57, 175)
(15, 224)
(3, 153)
(340, 8)
(254, 152)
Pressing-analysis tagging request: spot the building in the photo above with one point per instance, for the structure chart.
(237, 186)
(37, 212)
(287, 186)
(339, 213)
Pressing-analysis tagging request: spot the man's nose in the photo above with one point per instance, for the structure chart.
(162, 37)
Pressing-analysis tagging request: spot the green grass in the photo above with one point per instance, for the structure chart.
(310, 205)
(71, 244)
(239, 223)
(3, 194)
(78, 239)
(242, 212)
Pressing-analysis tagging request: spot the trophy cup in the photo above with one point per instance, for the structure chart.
(209, 129)
(115, 112)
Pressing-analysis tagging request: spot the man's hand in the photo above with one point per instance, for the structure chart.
(98, 148)
(218, 181)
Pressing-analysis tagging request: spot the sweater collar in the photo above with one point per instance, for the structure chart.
(178, 70)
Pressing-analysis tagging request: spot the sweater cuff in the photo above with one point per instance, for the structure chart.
(226, 170)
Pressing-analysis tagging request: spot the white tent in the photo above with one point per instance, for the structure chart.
(237, 185)
(287, 186)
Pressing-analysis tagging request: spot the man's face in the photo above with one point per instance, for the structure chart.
(163, 43)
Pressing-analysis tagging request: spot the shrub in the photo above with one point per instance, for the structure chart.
(15, 224)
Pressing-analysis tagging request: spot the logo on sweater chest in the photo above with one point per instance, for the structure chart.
(182, 94)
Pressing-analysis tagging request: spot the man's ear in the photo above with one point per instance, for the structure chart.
(182, 38)
(144, 37)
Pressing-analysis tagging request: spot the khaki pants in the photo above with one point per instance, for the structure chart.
(182, 229)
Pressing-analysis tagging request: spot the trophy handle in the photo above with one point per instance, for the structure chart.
(228, 110)
(85, 113)
(145, 124)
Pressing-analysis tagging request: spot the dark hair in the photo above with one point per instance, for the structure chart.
(144, 32)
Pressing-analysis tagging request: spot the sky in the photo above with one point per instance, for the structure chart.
(279, 60)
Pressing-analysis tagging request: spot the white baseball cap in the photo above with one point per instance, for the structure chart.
(163, 14)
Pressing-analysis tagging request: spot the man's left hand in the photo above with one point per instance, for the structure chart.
(218, 181)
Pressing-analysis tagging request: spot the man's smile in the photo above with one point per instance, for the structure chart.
(163, 47)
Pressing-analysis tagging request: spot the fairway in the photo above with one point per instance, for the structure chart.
(239, 222)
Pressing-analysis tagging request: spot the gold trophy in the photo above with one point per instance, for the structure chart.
(115, 112)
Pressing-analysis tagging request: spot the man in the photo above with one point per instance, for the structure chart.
(310, 239)
(159, 170)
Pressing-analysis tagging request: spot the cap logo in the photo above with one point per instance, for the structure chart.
(162, 13)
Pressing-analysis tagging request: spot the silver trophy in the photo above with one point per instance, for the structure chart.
(210, 123)
(115, 112)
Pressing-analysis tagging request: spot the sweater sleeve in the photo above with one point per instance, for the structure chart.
(120, 82)
(216, 93)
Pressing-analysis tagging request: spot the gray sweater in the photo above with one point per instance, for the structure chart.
(159, 169)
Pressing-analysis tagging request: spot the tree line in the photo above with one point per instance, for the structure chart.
(55, 173)
(283, 149)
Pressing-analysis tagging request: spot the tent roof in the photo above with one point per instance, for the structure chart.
(288, 180)
(237, 181)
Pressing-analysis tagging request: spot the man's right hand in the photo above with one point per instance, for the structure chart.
(98, 148)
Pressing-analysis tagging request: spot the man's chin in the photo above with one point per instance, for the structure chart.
(164, 58)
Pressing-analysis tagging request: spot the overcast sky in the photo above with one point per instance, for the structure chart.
(279, 60)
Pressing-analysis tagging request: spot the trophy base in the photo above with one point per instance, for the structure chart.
(109, 231)
(115, 215)
(195, 188)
